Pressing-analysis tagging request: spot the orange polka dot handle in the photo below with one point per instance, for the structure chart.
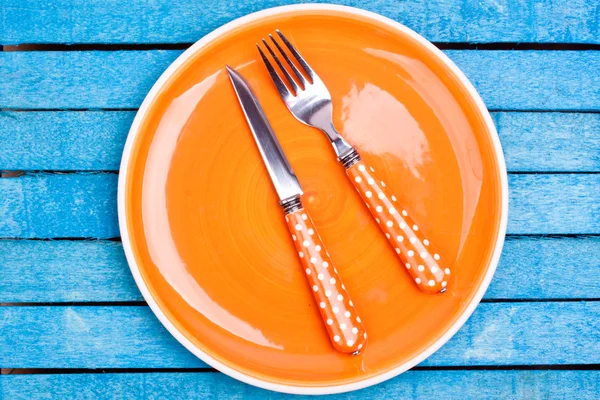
(344, 327)
(416, 253)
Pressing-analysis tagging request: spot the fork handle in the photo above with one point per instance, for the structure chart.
(415, 251)
(344, 327)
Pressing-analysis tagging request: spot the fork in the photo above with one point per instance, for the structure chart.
(309, 101)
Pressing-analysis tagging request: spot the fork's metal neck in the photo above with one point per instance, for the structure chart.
(340, 145)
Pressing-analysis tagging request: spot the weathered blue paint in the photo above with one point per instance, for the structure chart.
(451, 385)
(142, 21)
(531, 268)
(93, 140)
(131, 337)
(506, 80)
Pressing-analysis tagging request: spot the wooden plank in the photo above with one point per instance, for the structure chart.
(519, 80)
(44, 205)
(58, 205)
(93, 140)
(132, 337)
(457, 385)
(96, 271)
(65, 141)
(139, 21)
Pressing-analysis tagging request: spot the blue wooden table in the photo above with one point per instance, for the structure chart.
(72, 322)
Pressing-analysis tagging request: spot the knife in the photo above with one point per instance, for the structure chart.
(342, 323)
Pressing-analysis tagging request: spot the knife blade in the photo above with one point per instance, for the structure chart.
(283, 177)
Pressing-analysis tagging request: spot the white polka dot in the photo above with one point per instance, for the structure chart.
(307, 271)
(381, 196)
(444, 284)
(368, 194)
(340, 297)
(370, 181)
(325, 264)
(304, 217)
(426, 242)
(377, 219)
(421, 268)
(327, 293)
(306, 243)
(347, 314)
(365, 335)
(329, 321)
(342, 326)
(355, 330)
(379, 209)
(350, 302)
(368, 206)
(397, 250)
(301, 254)
(335, 310)
(311, 231)
(343, 287)
(434, 270)
(394, 198)
(332, 281)
(360, 346)
(415, 228)
(287, 219)
(387, 235)
(315, 288)
(407, 266)
(436, 256)
(383, 183)
(350, 342)
(371, 168)
(336, 338)
(322, 304)
(423, 255)
(358, 319)
(313, 260)
(320, 277)
(390, 224)
(361, 168)
(418, 280)
(392, 210)
(400, 238)
(404, 213)
(402, 225)
(294, 237)
(358, 179)
(318, 248)
(298, 227)
(411, 253)
(413, 239)
(447, 271)
(431, 282)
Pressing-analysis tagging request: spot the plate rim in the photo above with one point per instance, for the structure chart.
(179, 336)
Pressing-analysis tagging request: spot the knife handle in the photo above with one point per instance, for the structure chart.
(343, 325)
(412, 247)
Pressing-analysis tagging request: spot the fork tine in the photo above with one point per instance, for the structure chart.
(290, 63)
(293, 83)
(281, 88)
(301, 60)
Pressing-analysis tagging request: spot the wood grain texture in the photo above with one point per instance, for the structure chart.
(96, 271)
(519, 80)
(84, 205)
(142, 21)
(57, 205)
(132, 337)
(94, 140)
(416, 385)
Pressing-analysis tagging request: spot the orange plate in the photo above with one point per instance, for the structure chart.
(207, 241)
